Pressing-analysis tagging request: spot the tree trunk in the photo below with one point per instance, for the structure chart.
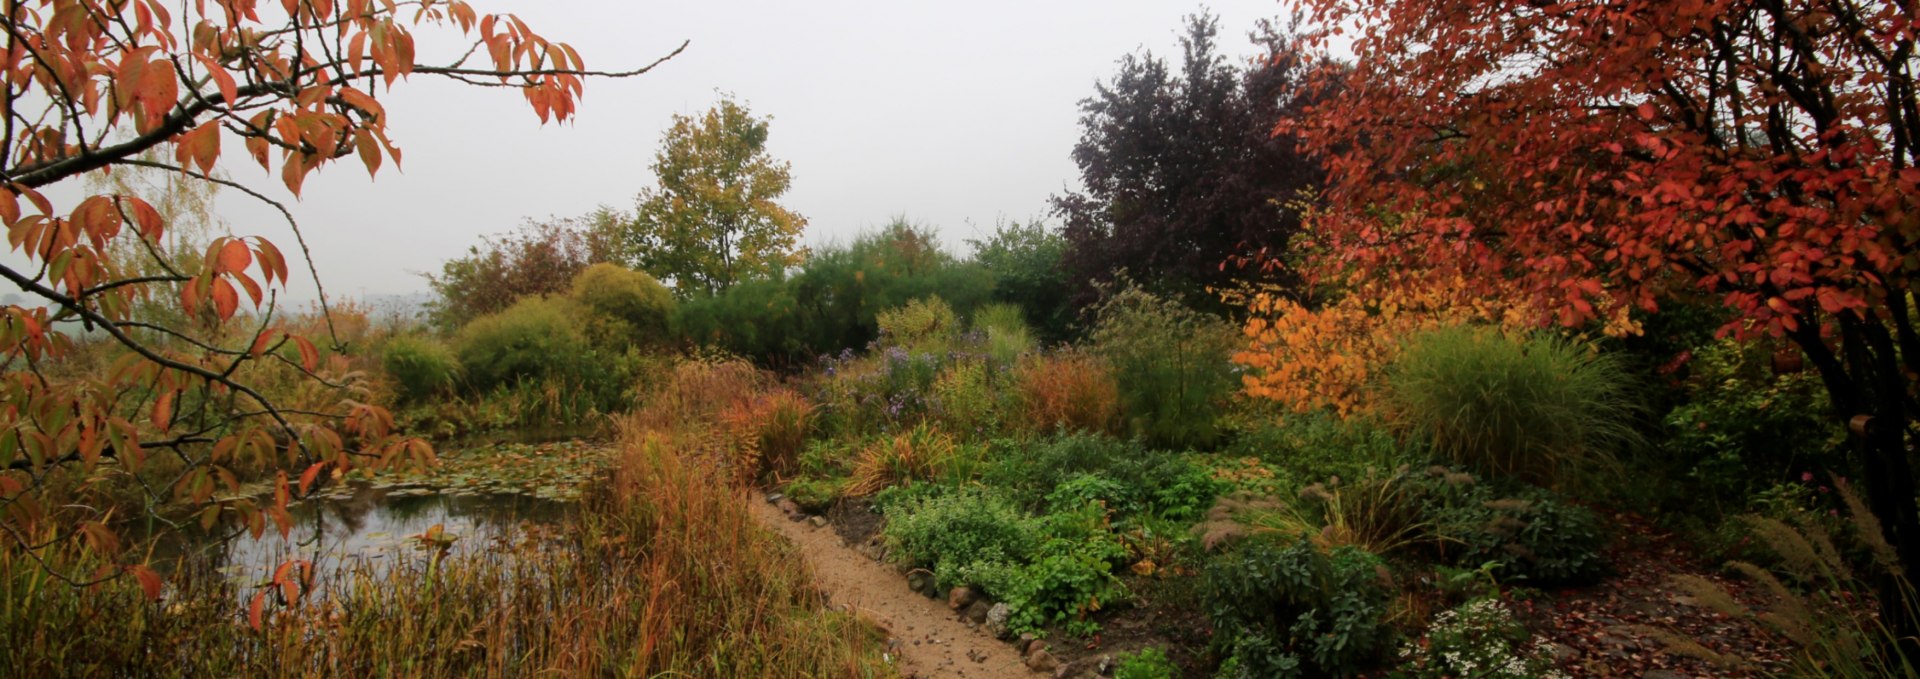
(1870, 392)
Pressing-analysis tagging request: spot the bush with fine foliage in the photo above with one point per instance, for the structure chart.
(423, 366)
(626, 308)
(1173, 365)
(923, 324)
(538, 338)
(1005, 330)
(1317, 446)
(1539, 408)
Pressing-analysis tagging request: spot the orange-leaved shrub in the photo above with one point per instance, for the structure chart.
(1067, 390)
(1332, 356)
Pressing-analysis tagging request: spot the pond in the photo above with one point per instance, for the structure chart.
(479, 500)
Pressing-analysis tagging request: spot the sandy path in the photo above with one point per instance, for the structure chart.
(931, 641)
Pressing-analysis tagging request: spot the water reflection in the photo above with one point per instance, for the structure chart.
(371, 527)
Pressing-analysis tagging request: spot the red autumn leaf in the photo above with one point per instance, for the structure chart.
(307, 477)
(234, 256)
(225, 299)
(257, 609)
(162, 415)
(150, 582)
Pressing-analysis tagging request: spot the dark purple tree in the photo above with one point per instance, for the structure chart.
(1181, 171)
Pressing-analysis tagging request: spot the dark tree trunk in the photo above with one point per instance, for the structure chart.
(1871, 393)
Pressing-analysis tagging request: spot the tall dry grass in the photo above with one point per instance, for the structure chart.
(661, 573)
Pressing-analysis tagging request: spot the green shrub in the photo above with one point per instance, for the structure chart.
(1024, 260)
(1540, 408)
(924, 324)
(1067, 579)
(1004, 328)
(538, 338)
(1530, 532)
(1319, 446)
(1172, 363)
(958, 533)
(1146, 663)
(816, 495)
(1292, 611)
(760, 319)
(422, 366)
(1056, 568)
(965, 399)
(1744, 429)
(1478, 640)
(626, 308)
(1072, 469)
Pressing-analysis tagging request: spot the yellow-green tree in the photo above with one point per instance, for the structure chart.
(712, 221)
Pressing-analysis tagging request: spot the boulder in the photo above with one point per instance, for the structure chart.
(961, 597)
(1042, 661)
(996, 621)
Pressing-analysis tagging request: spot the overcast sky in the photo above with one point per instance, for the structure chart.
(953, 114)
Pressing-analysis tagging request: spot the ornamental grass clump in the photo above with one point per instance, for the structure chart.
(917, 455)
(1067, 390)
(1822, 609)
(1539, 408)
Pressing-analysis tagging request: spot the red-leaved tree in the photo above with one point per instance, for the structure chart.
(1602, 154)
(178, 407)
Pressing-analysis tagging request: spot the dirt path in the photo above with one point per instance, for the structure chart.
(929, 640)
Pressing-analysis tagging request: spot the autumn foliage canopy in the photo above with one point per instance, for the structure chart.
(1606, 157)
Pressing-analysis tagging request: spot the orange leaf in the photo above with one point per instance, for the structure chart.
(257, 609)
(229, 90)
(271, 261)
(225, 299)
(234, 256)
(163, 411)
(309, 356)
(151, 225)
(252, 288)
(307, 477)
(260, 343)
(150, 582)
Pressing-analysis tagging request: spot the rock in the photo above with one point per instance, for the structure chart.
(818, 521)
(921, 580)
(977, 613)
(790, 509)
(997, 620)
(1025, 643)
(961, 597)
(1067, 670)
(1042, 661)
(1033, 646)
(1105, 667)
